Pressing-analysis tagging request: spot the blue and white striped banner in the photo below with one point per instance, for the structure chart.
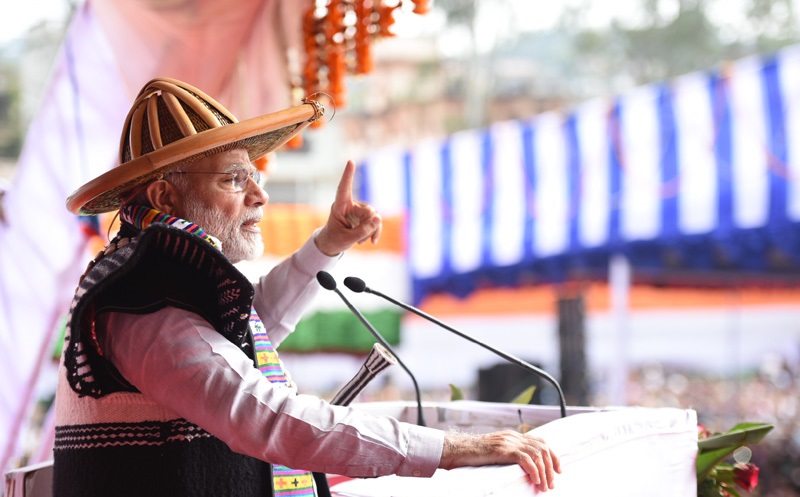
(698, 173)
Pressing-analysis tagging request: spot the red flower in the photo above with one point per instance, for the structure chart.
(702, 432)
(746, 476)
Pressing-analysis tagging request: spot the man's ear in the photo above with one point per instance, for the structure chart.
(163, 196)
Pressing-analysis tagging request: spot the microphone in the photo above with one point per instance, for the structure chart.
(357, 285)
(328, 283)
(378, 359)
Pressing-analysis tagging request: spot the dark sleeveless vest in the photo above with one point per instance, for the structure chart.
(110, 439)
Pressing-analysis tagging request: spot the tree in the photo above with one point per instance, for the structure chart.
(674, 37)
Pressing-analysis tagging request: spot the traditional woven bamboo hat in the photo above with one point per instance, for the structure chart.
(171, 124)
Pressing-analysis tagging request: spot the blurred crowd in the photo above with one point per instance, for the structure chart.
(770, 394)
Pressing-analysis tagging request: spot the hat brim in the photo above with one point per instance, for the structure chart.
(258, 135)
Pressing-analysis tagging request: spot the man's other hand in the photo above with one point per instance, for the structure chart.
(503, 447)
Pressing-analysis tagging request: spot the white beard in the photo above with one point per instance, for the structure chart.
(237, 245)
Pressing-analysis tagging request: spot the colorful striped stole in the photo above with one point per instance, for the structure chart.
(141, 217)
(286, 481)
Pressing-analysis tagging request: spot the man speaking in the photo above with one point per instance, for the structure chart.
(169, 383)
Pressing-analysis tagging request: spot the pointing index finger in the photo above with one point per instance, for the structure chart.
(344, 192)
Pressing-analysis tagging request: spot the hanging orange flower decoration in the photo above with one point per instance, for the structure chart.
(338, 37)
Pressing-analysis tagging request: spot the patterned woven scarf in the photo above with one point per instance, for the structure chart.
(141, 217)
(286, 481)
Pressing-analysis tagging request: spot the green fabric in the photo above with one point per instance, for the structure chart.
(337, 331)
(58, 346)
(341, 331)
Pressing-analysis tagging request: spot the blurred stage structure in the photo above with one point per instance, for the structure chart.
(693, 182)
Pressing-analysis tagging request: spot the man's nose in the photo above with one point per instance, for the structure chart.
(256, 194)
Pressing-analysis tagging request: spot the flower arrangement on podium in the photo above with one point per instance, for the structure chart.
(723, 460)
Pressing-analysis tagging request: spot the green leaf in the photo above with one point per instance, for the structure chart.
(717, 448)
(524, 397)
(741, 434)
(456, 393)
(708, 488)
(732, 492)
(707, 460)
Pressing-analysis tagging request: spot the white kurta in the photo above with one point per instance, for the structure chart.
(177, 359)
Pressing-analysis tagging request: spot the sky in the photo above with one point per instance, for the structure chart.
(17, 19)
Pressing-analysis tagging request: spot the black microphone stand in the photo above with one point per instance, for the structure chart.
(327, 282)
(355, 284)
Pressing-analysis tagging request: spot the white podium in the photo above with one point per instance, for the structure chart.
(35, 480)
(624, 452)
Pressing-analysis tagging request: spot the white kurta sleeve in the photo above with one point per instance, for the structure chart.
(283, 295)
(176, 359)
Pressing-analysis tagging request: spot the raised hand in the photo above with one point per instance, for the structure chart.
(350, 221)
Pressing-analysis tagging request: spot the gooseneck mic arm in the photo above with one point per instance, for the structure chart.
(357, 285)
(327, 282)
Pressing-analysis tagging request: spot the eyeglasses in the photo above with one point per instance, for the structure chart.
(238, 178)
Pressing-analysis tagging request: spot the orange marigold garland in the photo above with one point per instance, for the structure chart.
(338, 37)
(422, 6)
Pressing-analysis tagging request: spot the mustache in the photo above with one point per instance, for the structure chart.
(253, 215)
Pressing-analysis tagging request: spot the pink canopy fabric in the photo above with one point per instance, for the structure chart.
(236, 52)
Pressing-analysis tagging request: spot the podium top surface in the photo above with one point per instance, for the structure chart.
(618, 451)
